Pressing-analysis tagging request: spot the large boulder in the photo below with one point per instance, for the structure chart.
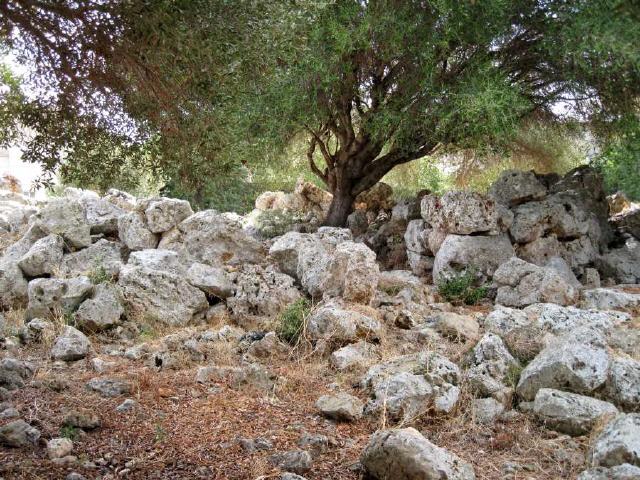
(103, 310)
(54, 296)
(211, 280)
(260, 292)
(43, 258)
(404, 454)
(134, 232)
(618, 443)
(158, 259)
(480, 254)
(521, 283)
(160, 296)
(514, 187)
(464, 213)
(162, 214)
(406, 386)
(352, 273)
(340, 406)
(619, 472)
(104, 256)
(70, 345)
(627, 221)
(490, 367)
(336, 323)
(18, 434)
(577, 362)
(13, 284)
(102, 215)
(609, 299)
(623, 383)
(216, 239)
(570, 413)
(67, 218)
(622, 264)
(286, 250)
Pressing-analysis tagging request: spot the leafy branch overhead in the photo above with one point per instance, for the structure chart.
(370, 85)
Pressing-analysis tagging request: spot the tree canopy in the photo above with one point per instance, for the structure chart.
(194, 88)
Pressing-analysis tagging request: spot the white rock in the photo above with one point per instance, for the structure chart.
(211, 280)
(514, 187)
(53, 296)
(619, 472)
(103, 310)
(104, 256)
(623, 383)
(404, 454)
(59, 448)
(340, 406)
(158, 259)
(609, 299)
(354, 355)
(102, 215)
(333, 322)
(486, 410)
(286, 249)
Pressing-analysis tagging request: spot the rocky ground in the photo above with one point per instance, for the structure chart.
(455, 337)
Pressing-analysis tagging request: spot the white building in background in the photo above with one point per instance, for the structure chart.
(11, 164)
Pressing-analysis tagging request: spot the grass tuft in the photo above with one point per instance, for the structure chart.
(291, 321)
(462, 288)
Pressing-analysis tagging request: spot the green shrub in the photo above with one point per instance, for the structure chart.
(70, 432)
(462, 288)
(99, 275)
(291, 321)
(274, 223)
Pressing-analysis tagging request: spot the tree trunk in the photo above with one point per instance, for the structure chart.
(341, 207)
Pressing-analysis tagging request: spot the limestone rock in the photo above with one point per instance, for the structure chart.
(609, 299)
(54, 296)
(286, 250)
(514, 187)
(622, 264)
(619, 472)
(160, 296)
(211, 280)
(486, 410)
(44, 257)
(102, 215)
(404, 454)
(623, 383)
(296, 461)
(67, 218)
(70, 345)
(567, 363)
(618, 443)
(340, 406)
(165, 213)
(18, 434)
(354, 355)
(134, 232)
(457, 326)
(464, 213)
(333, 322)
(352, 273)
(103, 310)
(14, 372)
(102, 256)
(59, 447)
(570, 413)
(521, 284)
(110, 387)
(482, 254)
(158, 259)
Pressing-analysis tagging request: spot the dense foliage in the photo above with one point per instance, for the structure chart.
(193, 91)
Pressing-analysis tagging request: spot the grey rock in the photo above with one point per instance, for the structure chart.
(110, 387)
(521, 283)
(622, 264)
(609, 299)
(70, 345)
(619, 472)
(165, 213)
(160, 296)
(618, 443)
(570, 413)
(84, 419)
(158, 259)
(514, 187)
(102, 256)
(482, 254)
(44, 257)
(352, 356)
(67, 218)
(103, 310)
(331, 321)
(456, 326)
(59, 448)
(134, 232)
(623, 383)
(296, 461)
(102, 215)
(567, 363)
(36, 331)
(464, 213)
(286, 250)
(404, 454)
(18, 434)
(126, 406)
(53, 296)
(14, 372)
(211, 280)
(340, 406)
(486, 410)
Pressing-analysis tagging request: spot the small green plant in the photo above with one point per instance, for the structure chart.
(69, 318)
(69, 431)
(146, 332)
(513, 375)
(291, 321)
(99, 275)
(160, 433)
(462, 288)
